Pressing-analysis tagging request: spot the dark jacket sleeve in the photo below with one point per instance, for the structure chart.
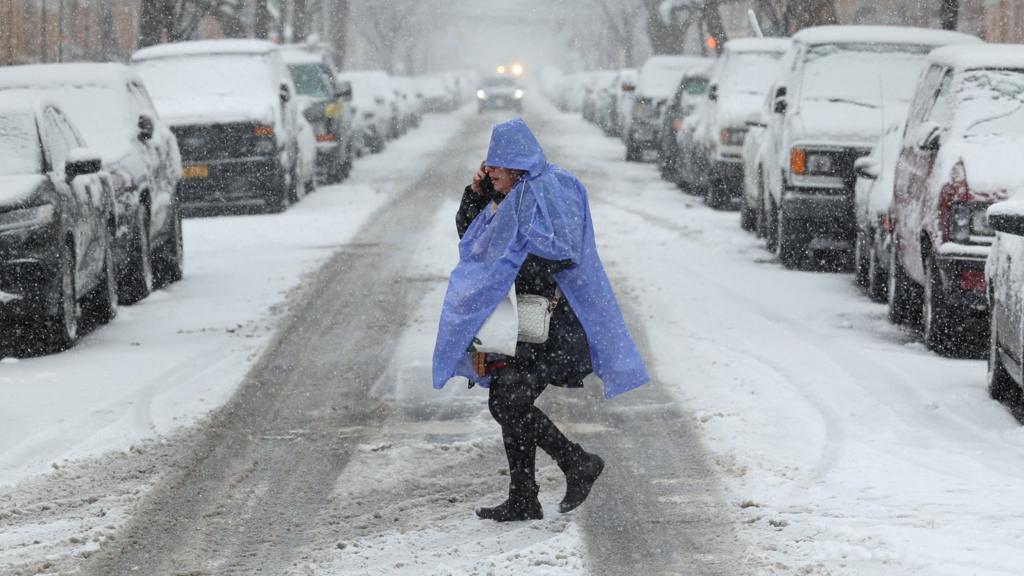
(472, 204)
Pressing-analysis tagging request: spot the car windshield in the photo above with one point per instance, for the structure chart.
(188, 77)
(499, 83)
(102, 114)
(863, 74)
(749, 73)
(696, 86)
(992, 104)
(19, 144)
(310, 80)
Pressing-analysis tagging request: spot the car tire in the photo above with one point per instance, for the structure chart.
(860, 258)
(877, 276)
(60, 332)
(634, 153)
(903, 294)
(1001, 386)
(748, 218)
(169, 261)
(716, 196)
(137, 278)
(789, 244)
(939, 321)
(101, 304)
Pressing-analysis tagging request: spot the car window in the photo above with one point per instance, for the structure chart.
(924, 97)
(142, 100)
(942, 109)
(56, 141)
(310, 80)
(19, 144)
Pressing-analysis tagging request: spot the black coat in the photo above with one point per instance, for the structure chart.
(564, 360)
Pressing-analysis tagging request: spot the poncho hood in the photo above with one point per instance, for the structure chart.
(514, 146)
(547, 214)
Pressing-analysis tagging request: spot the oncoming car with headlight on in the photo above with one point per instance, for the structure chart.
(499, 93)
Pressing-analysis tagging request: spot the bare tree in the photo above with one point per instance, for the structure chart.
(389, 29)
(178, 20)
(620, 23)
(802, 14)
(949, 13)
(336, 28)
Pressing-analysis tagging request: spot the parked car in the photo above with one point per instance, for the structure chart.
(659, 78)
(323, 100)
(232, 106)
(678, 120)
(605, 94)
(624, 97)
(109, 104)
(57, 224)
(371, 112)
(876, 175)
(961, 152)
(830, 105)
(410, 101)
(739, 84)
(752, 212)
(499, 93)
(597, 82)
(1004, 279)
(435, 97)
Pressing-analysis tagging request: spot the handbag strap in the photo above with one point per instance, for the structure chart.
(555, 301)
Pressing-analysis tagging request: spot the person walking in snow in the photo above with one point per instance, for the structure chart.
(526, 221)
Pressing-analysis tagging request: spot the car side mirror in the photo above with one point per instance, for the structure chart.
(285, 94)
(781, 105)
(379, 100)
(866, 168)
(82, 161)
(146, 128)
(1007, 217)
(628, 87)
(713, 93)
(929, 137)
(343, 91)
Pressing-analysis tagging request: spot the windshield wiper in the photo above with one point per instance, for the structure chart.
(835, 99)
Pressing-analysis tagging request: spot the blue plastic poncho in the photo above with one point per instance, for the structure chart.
(546, 214)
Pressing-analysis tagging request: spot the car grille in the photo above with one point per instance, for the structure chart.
(200, 143)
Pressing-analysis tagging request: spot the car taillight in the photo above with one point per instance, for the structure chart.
(972, 281)
(677, 124)
(732, 136)
(325, 138)
(264, 131)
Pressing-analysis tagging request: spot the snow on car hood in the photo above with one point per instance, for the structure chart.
(221, 109)
(735, 109)
(19, 188)
(843, 123)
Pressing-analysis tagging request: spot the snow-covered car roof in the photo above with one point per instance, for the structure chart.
(881, 35)
(70, 75)
(660, 75)
(981, 56)
(16, 103)
(758, 45)
(205, 48)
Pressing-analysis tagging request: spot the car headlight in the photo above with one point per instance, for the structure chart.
(519, 94)
(26, 218)
(732, 136)
(481, 94)
(968, 219)
(804, 162)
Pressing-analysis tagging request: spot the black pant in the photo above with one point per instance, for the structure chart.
(524, 427)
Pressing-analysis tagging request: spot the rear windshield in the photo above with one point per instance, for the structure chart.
(19, 145)
(310, 80)
(992, 104)
(863, 74)
(187, 77)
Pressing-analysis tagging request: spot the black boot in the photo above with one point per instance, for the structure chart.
(579, 479)
(516, 508)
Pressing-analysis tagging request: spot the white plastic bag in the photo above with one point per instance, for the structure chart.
(500, 332)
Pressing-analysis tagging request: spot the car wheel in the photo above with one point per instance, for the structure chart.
(902, 292)
(789, 244)
(877, 274)
(170, 258)
(634, 153)
(748, 218)
(771, 236)
(860, 258)
(61, 331)
(1001, 386)
(101, 304)
(137, 279)
(716, 196)
(939, 320)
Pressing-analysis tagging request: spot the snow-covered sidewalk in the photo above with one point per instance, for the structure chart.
(169, 360)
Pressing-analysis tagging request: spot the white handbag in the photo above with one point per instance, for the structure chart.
(517, 318)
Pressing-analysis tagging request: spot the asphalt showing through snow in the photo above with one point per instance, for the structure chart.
(246, 499)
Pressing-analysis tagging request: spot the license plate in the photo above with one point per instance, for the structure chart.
(196, 171)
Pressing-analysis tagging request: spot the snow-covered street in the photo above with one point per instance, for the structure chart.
(789, 428)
